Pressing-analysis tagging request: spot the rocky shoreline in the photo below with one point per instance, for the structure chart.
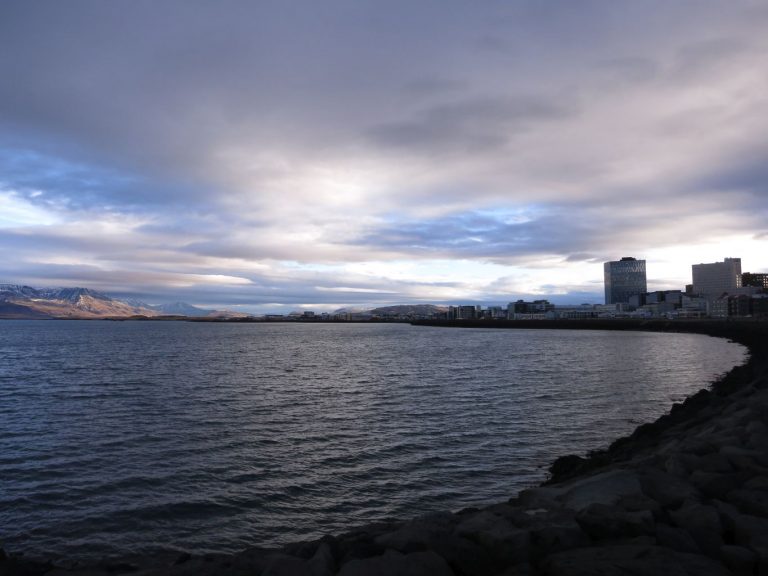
(687, 495)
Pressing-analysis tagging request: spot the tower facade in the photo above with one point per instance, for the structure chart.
(624, 278)
(711, 280)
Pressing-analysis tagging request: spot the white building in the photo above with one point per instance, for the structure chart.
(712, 280)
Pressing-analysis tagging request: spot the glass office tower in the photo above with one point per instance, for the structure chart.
(624, 278)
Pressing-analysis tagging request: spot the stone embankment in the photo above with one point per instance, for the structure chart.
(685, 495)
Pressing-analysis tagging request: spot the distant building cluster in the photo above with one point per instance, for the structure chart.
(718, 290)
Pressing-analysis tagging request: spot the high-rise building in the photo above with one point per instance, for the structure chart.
(624, 278)
(713, 279)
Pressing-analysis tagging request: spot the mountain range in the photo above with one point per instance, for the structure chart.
(17, 301)
(396, 310)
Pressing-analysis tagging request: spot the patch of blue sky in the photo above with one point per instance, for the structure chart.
(79, 185)
(17, 211)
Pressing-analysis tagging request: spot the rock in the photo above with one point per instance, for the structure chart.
(639, 503)
(468, 558)
(716, 485)
(762, 562)
(753, 502)
(533, 519)
(697, 446)
(605, 488)
(714, 462)
(739, 451)
(557, 537)
(667, 489)
(412, 538)
(420, 534)
(537, 498)
(675, 466)
(603, 522)
(120, 567)
(757, 483)
(504, 542)
(757, 440)
(461, 553)
(393, 563)
(702, 523)
(284, 565)
(361, 544)
(505, 510)
(744, 529)
(630, 560)
(518, 570)
(566, 466)
(251, 561)
(741, 458)
(675, 538)
(755, 427)
(323, 562)
(485, 521)
(739, 560)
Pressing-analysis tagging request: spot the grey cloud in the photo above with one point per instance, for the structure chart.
(631, 69)
(472, 125)
(747, 173)
(433, 85)
(582, 257)
(713, 54)
(582, 232)
(478, 235)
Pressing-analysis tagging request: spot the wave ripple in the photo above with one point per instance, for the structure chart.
(130, 437)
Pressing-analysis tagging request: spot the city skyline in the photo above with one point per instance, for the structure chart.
(627, 275)
(267, 158)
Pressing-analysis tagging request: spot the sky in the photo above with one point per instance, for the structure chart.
(272, 156)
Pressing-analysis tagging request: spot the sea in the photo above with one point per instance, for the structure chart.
(122, 438)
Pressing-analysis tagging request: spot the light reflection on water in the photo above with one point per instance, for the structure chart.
(122, 437)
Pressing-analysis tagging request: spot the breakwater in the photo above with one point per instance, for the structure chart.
(685, 495)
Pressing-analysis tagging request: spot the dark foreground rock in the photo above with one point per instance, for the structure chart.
(686, 495)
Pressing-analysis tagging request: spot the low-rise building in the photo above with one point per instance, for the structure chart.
(754, 280)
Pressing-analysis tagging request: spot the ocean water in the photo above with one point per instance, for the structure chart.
(128, 437)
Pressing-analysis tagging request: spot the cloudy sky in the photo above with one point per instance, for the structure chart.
(278, 155)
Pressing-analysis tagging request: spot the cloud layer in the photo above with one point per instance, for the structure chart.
(274, 155)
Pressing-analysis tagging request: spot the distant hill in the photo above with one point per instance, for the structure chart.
(172, 309)
(181, 309)
(352, 310)
(184, 309)
(27, 302)
(17, 301)
(397, 310)
(409, 310)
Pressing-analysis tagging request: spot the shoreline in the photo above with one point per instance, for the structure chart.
(686, 494)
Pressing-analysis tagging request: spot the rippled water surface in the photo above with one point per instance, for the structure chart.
(124, 437)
